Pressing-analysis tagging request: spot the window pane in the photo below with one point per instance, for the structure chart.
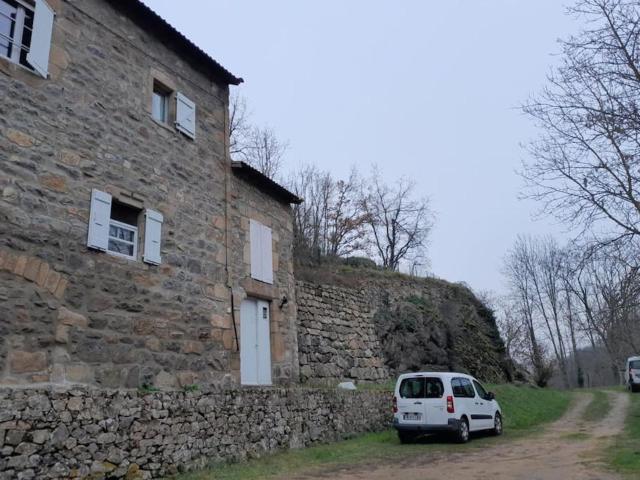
(434, 389)
(480, 389)
(121, 233)
(120, 247)
(412, 388)
(7, 16)
(468, 388)
(159, 107)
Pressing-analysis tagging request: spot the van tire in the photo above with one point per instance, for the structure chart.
(407, 437)
(497, 425)
(634, 388)
(462, 433)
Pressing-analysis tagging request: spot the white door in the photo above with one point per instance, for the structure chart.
(255, 344)
(484, 406)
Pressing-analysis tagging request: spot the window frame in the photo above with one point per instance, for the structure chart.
(15, 38)
(161, 90)
(125, 226)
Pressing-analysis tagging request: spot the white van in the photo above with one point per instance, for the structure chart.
(433, 402)
(633, 374)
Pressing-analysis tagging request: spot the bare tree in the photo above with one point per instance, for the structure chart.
(400, 224)
(258, 146)
(330, 222)
(517, 269)
(239, 127)
(264, 151)
(584, 165)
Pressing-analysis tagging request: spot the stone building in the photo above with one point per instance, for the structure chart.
(132, 250)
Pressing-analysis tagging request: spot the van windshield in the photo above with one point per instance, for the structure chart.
(634, 364)
(421, 387)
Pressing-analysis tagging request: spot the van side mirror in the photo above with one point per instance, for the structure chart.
(491, 396)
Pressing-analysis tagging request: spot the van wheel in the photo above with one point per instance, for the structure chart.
(406, 437)
(634, 388)
(497, 424)
(462, 434)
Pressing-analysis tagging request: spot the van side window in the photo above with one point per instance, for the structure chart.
(462, 388)
(482, 393)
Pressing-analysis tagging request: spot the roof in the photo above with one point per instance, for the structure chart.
(173, 39)
(435, 374)
(264, 183)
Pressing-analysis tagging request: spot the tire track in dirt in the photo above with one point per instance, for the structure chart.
(568, 449)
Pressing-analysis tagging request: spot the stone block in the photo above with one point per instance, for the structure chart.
(51, 283)
(187, 378)
(19, 138)
(32, 268)
(221, 321)
(79, 373)
(229, 340)
(56, 183)
(27, 362)
(20, 265)
(60, 289)
(191, 346)
(43, 273)
(164, 380)
(67, 317)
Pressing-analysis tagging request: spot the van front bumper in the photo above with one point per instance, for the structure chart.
(451, 426)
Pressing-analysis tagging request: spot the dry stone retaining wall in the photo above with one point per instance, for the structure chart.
(336, 335)
(93, 433)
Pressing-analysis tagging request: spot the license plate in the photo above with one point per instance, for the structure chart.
(412, 416)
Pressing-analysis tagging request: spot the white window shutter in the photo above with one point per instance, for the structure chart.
(99, 216)
(152, 236)
(267, 255)
(255, 242)
(38, 55)
(185, 115)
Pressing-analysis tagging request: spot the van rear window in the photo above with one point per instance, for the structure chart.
(421, 387)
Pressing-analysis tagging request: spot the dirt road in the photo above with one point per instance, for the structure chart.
(568, 449)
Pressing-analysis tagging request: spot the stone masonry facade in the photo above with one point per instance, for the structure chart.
(57, 433)
(69, 314)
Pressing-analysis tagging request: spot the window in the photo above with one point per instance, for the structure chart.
(421, 387)
(25, 33)
(113, 228)
(634, 364)
(482, 393)
(160, 103)
(462, 388)
(123, 231)
(261, 252)
(16, 25)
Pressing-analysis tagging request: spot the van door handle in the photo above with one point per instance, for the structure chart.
(417, 403)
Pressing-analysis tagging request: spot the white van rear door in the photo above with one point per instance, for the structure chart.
(410, 401)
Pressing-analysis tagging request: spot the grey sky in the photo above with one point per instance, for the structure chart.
(421, 88)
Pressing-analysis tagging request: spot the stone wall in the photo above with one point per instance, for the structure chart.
(370, 325)
(71, 314)
(55, 433)
(336, 335)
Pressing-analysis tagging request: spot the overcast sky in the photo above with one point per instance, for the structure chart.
(424, 88)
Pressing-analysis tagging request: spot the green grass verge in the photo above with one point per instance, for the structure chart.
(598, 407)
(525, 409)
(624, 454)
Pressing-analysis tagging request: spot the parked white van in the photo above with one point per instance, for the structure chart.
(633, 374)
(432, 402)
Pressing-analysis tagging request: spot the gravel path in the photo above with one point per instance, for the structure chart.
(568, 449)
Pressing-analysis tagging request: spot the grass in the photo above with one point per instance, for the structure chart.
(598, 407)
(525, 410)
(624, 454)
